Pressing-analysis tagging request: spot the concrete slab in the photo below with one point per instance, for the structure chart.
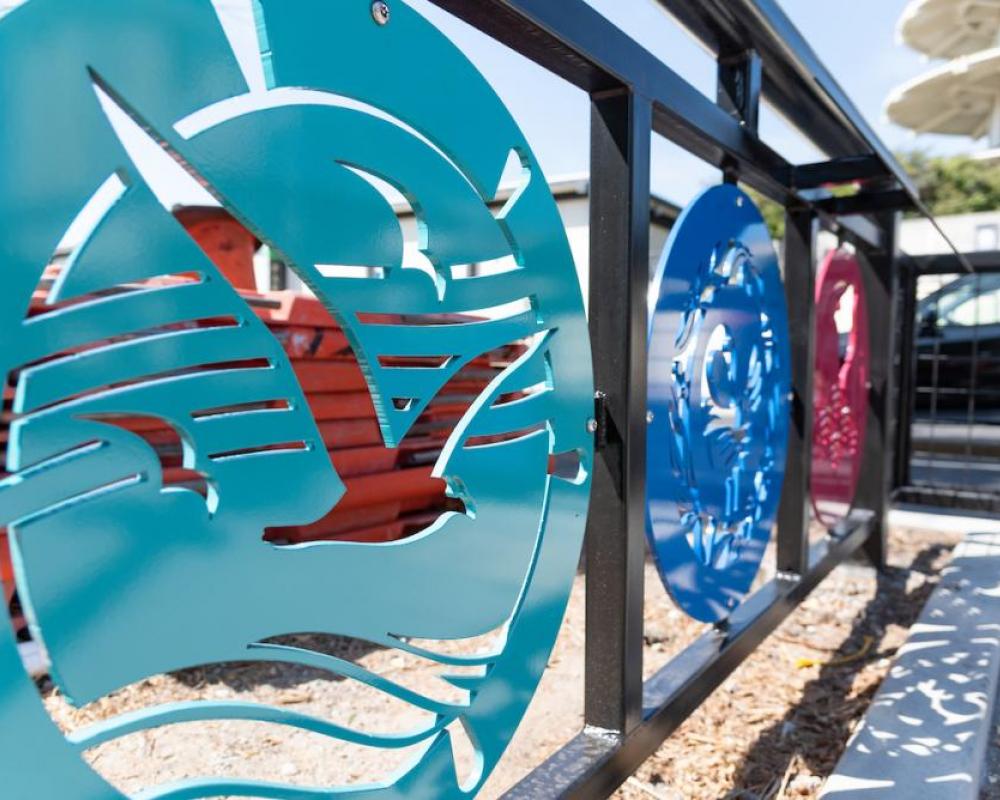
(930, 518)
(927, 732)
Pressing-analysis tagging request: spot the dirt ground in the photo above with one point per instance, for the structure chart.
(773, 730)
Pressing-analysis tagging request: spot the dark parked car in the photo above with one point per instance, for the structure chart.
(958, 351)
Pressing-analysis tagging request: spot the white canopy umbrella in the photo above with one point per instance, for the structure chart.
(950, 28)
(961, 97)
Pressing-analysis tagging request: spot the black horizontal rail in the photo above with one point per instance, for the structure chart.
(724, 27)
(838, 171)
(596, 762)
(572, 40)
(801, 88)
(865, 202)
(948, 263)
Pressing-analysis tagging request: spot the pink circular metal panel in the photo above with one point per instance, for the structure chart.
(840, 394)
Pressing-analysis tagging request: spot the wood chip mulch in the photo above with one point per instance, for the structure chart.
(778, 725)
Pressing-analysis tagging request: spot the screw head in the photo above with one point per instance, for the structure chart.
(591, 426)
(381, 12)
(650, 417)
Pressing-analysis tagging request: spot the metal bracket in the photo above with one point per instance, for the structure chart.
(599, 424)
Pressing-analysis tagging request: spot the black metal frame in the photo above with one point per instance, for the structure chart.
(760, 54)
(904, 488)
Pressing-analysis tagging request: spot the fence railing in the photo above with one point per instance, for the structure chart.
(633, 96)
(950, 382)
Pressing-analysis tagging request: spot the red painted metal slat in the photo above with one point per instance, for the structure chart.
(359, 461)
(290, 308)
(401, 486)
(6, 569)
(336, 523)
(326, 406)
(390, 493)
(328, 375)
(390, 532)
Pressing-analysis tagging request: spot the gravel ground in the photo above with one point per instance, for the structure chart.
(773, 730)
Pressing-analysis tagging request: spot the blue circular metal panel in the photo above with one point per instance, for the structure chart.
(718, 395)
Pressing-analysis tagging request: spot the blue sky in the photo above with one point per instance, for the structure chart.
(855, 38)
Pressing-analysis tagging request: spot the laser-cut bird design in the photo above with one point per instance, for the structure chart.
(124, 577)
(78, 477)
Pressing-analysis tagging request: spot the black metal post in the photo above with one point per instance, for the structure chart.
(621, 132)
(880, 271)
(801, 228)
(907, 371)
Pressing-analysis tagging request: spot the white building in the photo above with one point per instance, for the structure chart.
(969, 232)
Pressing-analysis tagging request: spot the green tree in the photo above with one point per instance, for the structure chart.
(773, 213)
(956, 184)
(948, 185)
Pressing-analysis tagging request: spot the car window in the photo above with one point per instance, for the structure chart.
(981, 308)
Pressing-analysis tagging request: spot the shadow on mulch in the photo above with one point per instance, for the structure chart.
(245, 676)
(814, 733)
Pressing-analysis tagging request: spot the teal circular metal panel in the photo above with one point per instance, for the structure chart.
(307, 137)
(718, 398)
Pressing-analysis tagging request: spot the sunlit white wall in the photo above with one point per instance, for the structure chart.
(970, 232)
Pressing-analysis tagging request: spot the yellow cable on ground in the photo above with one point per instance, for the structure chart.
(803, 663)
